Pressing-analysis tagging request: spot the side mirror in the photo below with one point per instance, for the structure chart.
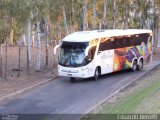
(55, 48)
(99, 52)
(87, 49)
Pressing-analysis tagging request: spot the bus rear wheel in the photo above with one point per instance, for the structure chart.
(140, 65)
(134, 66)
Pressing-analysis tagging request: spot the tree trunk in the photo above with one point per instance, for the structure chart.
(126, 14)
(6, 58)
(65, 19)
(113, 6)
(46, 42)
(154, 29)
(24, 39)
(33, 38)
(104, 14)
(19, 55)
(84, 15)
(38, 48)
(1, 62)
(158, 36)
(29, 46)
(94, 14)
(71, 7)
(11, 37)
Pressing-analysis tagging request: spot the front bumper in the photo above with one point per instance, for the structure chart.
(73, 72)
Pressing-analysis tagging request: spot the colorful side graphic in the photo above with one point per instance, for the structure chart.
(119, 59)
(123, 56)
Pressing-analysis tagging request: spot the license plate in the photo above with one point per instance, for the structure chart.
(69, 74)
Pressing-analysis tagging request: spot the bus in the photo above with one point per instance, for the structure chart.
(89, 54)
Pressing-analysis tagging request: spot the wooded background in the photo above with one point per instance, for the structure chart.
(45, 22)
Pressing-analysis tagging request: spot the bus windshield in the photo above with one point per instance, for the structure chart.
(72, 54)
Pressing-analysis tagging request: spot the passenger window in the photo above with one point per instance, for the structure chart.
(91, 53)
(103, 44)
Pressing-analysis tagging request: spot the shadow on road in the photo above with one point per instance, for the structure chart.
(102, 77)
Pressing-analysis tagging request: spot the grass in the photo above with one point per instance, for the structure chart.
(130, 103)
(143, 98)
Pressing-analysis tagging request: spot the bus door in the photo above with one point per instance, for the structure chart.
(106, 59)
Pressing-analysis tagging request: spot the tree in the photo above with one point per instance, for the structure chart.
(38, 47)
(84, 15)
(64, 16)
(94, 14)
(104, 14)
(113, 6)
(126, 14)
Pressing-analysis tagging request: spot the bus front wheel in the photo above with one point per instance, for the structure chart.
(72, 79)
(96, 74)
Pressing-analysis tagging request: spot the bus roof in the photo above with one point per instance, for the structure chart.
(86, 36)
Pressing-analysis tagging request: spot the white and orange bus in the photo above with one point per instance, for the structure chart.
(93, 53)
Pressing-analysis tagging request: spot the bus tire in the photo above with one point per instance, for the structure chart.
(72, 80)
(140, 65)
(96, 74)
(134, 66)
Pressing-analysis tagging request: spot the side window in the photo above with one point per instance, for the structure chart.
(118, 42)
(112, 43)
(91, 53)
(144, 38)
(137, 40)
(132, 41)
(104, 44)
(126, 42)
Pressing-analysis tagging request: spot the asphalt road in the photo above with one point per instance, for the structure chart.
(62, 97)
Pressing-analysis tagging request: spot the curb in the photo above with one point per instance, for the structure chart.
(14, 94)
(122, 88)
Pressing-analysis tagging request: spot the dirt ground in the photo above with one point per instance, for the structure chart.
(12, 83)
